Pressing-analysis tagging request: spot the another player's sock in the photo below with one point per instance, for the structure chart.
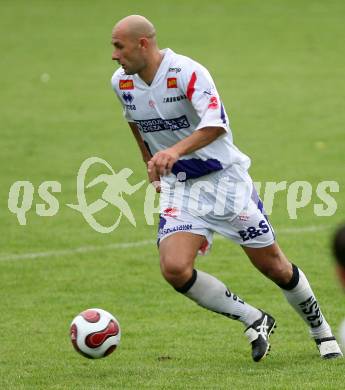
(212, 294)
(301, 297)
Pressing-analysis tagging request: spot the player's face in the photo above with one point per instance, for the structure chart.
(128, 53)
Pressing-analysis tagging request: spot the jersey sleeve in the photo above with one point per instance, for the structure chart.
(201, 91)
(125, 111)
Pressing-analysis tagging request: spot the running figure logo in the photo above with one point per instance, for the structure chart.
(116, 185)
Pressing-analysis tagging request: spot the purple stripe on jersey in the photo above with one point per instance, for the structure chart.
(222, 113)
(257, 200)
(194, 167)
(162, 222)
(255, 197)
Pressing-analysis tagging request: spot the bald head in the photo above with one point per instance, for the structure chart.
(135, 27)
(135, 46)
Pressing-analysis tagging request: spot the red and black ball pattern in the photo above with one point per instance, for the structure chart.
(95, 333)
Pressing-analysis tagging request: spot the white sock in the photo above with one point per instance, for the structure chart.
(212, 294)
(303, 300)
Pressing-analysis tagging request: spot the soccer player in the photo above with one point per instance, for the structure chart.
(180, 124)
(339, 253)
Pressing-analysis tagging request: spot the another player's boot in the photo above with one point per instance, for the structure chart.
(258, 335)
(328, 348)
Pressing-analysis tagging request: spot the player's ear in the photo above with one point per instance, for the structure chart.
(143, 43)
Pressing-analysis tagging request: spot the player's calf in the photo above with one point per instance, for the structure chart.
(212, 294)
(271, 262)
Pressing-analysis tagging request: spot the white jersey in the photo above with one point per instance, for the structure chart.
(181, 99)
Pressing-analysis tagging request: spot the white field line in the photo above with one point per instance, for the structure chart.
(82, 249)
(135, 244)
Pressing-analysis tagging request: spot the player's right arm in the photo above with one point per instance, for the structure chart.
(146, 155)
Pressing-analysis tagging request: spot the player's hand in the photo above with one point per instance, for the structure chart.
(162, 162)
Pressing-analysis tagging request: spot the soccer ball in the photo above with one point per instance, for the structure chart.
(95, 333)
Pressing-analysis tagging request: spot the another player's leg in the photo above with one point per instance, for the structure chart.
(177, 256)
(272, 262)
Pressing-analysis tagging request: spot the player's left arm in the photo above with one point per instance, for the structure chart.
(201, 91)
(163, 161)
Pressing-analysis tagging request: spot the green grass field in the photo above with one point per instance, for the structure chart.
(279, 66)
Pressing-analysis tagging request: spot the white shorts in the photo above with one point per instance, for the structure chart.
(231, 208)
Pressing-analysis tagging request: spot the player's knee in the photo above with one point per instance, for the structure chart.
(175, 271)
(278, 269)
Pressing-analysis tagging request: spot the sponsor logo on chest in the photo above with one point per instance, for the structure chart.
(126, 84)
(173, 99)
(128, 99)
(172, 82)
(160, 124)
(175, 70)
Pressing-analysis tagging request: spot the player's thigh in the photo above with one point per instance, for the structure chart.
(178, 252)
(250, 228)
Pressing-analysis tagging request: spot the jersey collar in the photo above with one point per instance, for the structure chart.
(161, 71)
